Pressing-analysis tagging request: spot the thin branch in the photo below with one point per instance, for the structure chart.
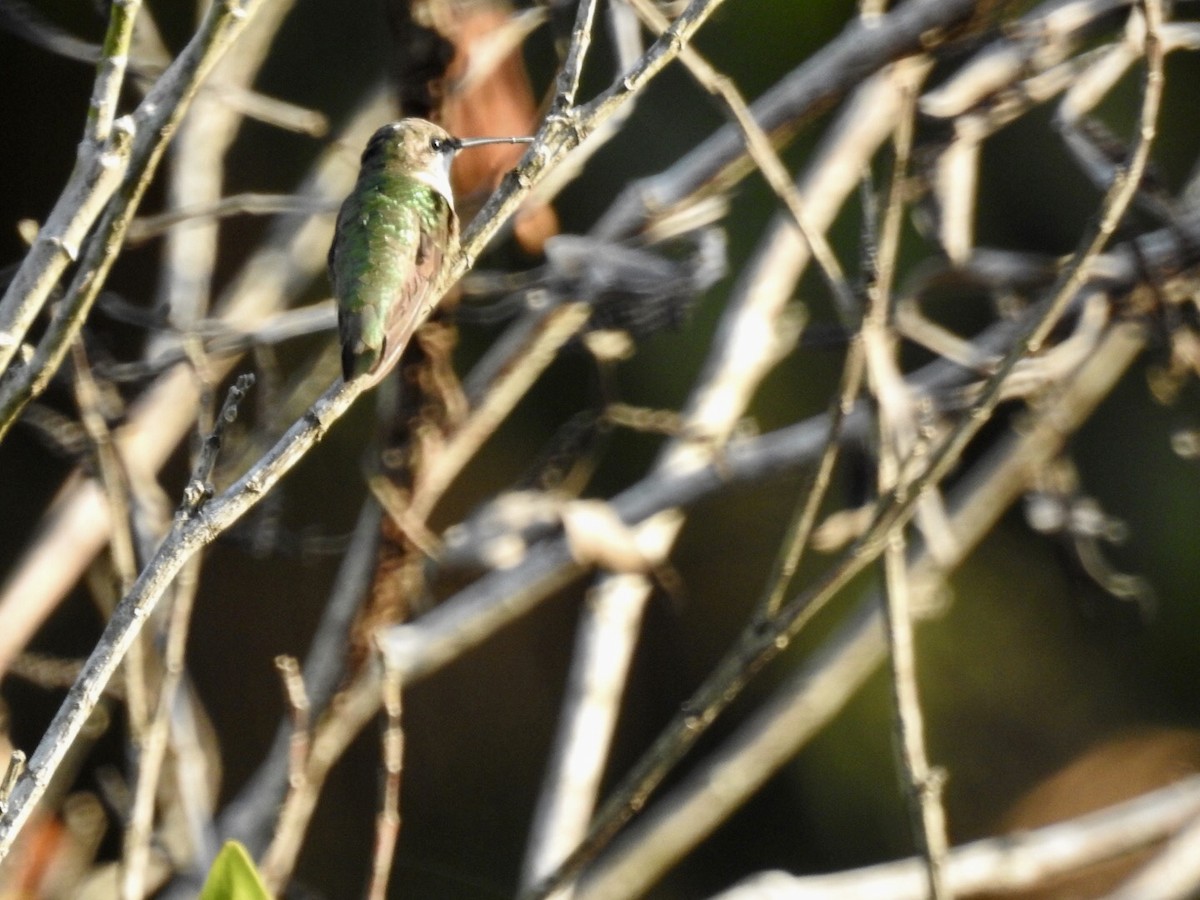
(300, 713)
(478, 610)
(844, 63)
(97, 174)
(114, 479)
(197, 173)
(110, 69)
(894, 442)
(572, 70)
(145, 228)
(218, 339)
(799, 530)
(558, 137)
(196, 524)
(12, 773)
(1011, 863)
(199, 487)
(153, 748)
(923, 784)
(1172, 874)
(299, 745)
(600, 661)
(100, 166)
(299, 748)
(110, 466)
(270, 110)
(525, 365)
(387, 822)
(758, 145)
(356, 705)
(1119, 195)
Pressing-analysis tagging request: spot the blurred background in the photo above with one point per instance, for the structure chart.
(1031, 667)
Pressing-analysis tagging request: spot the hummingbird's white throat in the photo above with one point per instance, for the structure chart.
(437, 176)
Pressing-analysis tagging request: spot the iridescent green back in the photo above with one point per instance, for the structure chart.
(393, 233)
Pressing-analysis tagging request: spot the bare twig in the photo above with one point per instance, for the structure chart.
(299, 709)
(122, 546)
(846, 62)
(12, 772)
(387, 822)
(356, 705)
(153, 747)
(1007, 864)
(199, 487)
(97, 175)
(799, 530)
(192, 530)
(217, 340)
(110, 73)
(1172, 874)
(146, 228)
(526, 364)
(895, 441)
(923, 783)
(572, 69)
(478, 610)
(559, 136)
(758, 145)
(197, 173)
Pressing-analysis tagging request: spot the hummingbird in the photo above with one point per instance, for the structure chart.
(395, 231)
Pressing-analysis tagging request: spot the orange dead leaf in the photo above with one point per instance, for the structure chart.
(486, 94)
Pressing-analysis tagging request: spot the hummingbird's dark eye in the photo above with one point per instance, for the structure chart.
(437, 145)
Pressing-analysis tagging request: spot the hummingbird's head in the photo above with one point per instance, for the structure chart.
(415, 148)
(423, 151)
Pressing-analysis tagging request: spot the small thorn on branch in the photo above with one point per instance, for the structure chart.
(199, 488)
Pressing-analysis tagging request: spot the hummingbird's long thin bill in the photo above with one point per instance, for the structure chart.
(462, 143)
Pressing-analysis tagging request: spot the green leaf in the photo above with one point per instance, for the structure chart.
(233, 876)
